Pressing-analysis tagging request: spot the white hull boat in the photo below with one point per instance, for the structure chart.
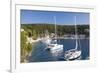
(73, 54)
(46, 40)
(55, 47)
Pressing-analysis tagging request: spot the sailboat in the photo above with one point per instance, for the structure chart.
(73, 53)
(46, 40)
(55, 47)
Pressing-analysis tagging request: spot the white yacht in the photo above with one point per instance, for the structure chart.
(46, 39)
(54, 47)
(75, 53)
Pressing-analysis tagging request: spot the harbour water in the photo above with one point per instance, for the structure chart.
(39, 54)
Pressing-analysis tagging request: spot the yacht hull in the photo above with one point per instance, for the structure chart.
(72, 54)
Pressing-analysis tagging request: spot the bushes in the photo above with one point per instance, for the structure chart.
(25, 47)
(35, 30)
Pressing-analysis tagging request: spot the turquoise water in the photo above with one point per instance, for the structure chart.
(39, 54)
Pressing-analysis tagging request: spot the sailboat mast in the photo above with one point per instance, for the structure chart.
(76, 33)
(75, 27)
(55, 29)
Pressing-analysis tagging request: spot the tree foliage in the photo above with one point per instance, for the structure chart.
(39, 29)
(25, 47)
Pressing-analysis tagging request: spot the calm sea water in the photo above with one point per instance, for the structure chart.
(39, 54)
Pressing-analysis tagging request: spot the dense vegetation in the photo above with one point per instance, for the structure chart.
(25, 47)
(39, 29)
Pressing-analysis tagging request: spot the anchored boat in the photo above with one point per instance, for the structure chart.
(55, 47)
(46, 39)
(73, 53)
